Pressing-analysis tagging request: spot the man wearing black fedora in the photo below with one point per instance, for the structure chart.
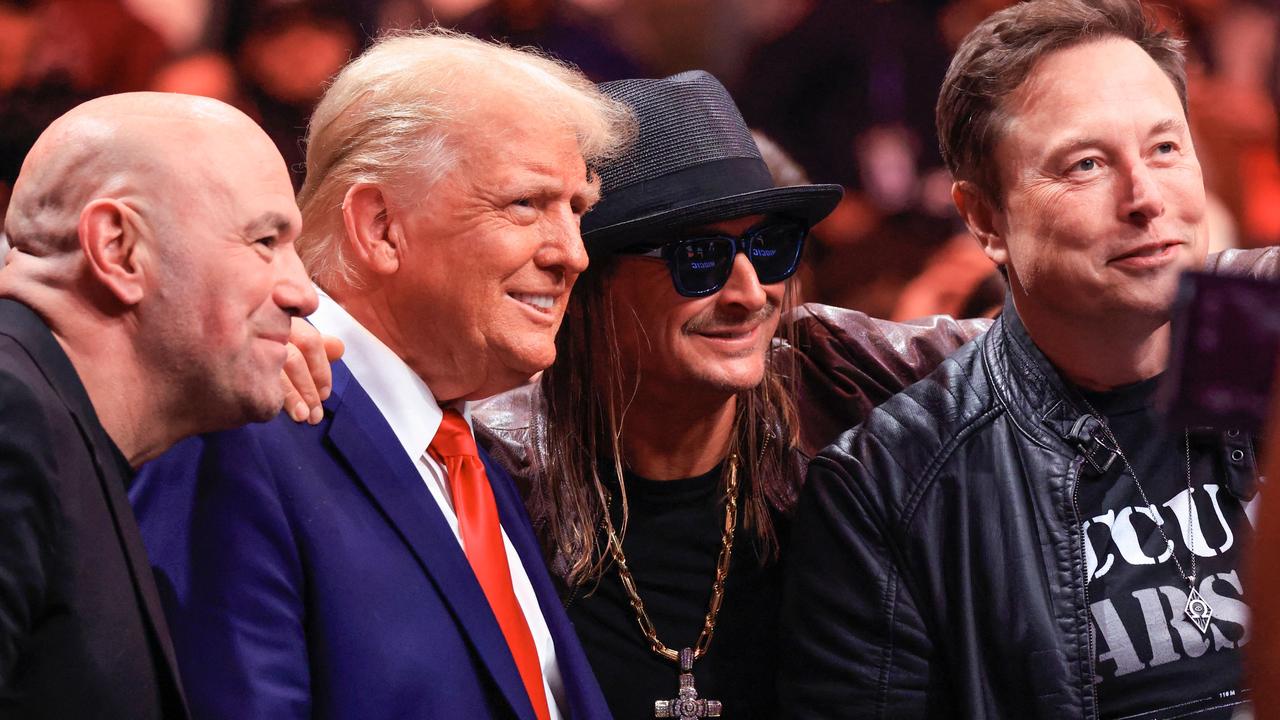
(664, 449)
(661, 454)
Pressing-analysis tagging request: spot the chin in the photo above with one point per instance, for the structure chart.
(261, 407)
(737, 381)
(531, 359)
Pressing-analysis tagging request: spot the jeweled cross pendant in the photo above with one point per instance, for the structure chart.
(1198, 610)
(686, 705)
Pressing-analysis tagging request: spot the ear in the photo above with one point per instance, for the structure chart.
(113, 250)
(368, 226)
(982, 219)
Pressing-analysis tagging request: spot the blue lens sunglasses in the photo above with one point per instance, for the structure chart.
(701, 265)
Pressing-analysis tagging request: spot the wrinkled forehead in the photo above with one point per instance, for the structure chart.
(1076, 92)
(523, 149)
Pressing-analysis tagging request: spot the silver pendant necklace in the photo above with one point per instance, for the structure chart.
(1197, 610)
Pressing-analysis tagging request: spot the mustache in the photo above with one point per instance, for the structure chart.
(717, 319)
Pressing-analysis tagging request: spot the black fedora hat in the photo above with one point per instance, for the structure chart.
(693, 162)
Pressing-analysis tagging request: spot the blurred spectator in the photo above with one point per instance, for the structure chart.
(956, 280)
(17, 28)
(869, 272)
(786, 171)
(1232, 76)
(288, 53)
(556, 27)
(207, 73)
(94, 47)
(55, 54)
(782, 167)
(181, 24)
(847, 67)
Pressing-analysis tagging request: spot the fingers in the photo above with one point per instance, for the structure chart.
(302, 397)
(333, 347)
(320, 377)
(307, 377)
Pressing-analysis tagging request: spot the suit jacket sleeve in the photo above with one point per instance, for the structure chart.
(28, 512)
(854, 643)
(238, 626)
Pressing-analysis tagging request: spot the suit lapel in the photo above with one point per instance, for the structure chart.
(126, 526)
(581, 690)
(378, 462)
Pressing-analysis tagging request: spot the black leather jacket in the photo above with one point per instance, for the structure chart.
(937, 566)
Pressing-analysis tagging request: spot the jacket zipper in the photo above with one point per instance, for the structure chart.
(1091, 688)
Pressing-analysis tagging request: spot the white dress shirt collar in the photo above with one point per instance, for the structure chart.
(404, 399)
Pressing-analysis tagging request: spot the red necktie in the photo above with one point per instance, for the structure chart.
(455, 448)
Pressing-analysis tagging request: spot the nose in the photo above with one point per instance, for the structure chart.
(743, 287)
(1144, 201)
(563, 249)
(294, 292)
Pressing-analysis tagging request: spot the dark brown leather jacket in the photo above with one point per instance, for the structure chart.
(847, 363)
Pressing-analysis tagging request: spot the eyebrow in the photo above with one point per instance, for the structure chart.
(1168, 125)
(538, 179)
(1081, 142)
(591, 194)
(269, 220)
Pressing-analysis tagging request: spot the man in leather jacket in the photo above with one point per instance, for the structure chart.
(1017, 535)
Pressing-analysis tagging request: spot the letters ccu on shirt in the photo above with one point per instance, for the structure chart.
(1150, 659)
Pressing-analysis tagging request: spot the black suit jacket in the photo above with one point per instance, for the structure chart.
(81, 629)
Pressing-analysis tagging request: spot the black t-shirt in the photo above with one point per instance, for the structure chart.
(672, 544)
(1151, 660)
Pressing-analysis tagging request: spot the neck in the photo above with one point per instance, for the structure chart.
(1097, 354)
(125, 396)
(668, 438)
(443, 374)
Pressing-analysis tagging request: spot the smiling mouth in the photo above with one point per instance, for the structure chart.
(1147, 251)
(282, 339)
(733, 334)
(541, 303)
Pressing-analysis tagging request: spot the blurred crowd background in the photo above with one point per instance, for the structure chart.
(846, 88)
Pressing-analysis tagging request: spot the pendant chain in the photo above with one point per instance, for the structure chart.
(717, 587)
(1191, 527)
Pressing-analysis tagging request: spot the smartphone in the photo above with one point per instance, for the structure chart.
(1226, 336)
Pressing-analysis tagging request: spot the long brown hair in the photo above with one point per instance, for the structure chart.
(585, 394)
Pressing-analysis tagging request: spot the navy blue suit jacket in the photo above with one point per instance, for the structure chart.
(306, 571)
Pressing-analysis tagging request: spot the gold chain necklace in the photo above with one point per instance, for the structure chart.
(686, 705)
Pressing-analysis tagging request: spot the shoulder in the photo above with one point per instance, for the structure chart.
(903, 444)
(504, 427)
(251, 470)
(817, 325)
(32, 417)
(1261, 263)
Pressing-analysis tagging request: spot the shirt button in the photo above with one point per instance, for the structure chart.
(1237, 455)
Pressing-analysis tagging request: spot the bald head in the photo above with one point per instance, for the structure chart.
(142, 148)
(153, 232)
